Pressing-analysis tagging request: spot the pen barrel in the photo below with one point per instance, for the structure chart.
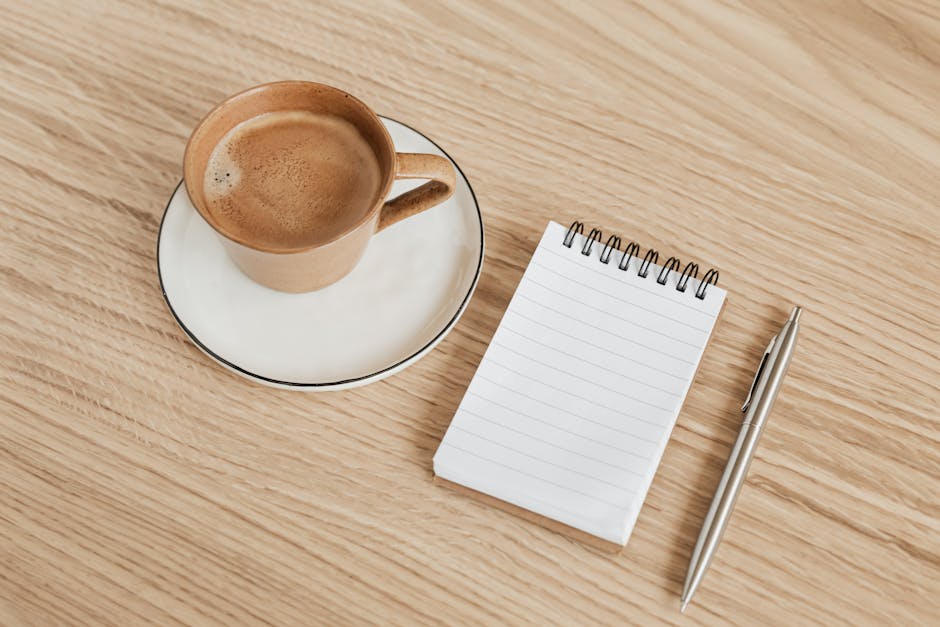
(734, 475)
(719, 511)
(745, 446)
(765, 392)
(762, 400)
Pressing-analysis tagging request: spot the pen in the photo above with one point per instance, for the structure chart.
(760, 400)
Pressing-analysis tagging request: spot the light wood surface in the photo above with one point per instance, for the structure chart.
(796, 147)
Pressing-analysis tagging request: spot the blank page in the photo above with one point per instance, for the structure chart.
(571, 407)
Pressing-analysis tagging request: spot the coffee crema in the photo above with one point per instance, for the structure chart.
(291, 179)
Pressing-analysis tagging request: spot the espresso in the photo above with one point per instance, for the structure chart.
(291, 179)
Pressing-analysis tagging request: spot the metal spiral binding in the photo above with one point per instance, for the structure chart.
(612, 242)
(672, 264)
(690, 272)
(651, 257)
(576, 228)
(595, 236)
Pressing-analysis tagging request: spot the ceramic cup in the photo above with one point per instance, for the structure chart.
(317, 266)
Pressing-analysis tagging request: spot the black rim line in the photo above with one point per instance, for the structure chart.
(294, 384)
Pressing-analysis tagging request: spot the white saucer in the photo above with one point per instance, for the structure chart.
(405, 295)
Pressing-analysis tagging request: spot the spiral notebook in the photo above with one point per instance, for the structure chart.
(571, 407)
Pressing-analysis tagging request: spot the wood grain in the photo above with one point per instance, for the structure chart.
(794, 146)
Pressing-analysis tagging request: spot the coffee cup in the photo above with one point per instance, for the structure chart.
(294, 175)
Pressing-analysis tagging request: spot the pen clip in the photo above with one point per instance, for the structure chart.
(760, 369)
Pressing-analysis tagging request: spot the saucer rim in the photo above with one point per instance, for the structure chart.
(353, 381)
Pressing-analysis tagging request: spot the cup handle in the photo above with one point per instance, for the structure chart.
(439, 188)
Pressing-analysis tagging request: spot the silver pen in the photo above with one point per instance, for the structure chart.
(757, 406)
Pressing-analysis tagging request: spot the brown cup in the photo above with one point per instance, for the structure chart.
(313, 267)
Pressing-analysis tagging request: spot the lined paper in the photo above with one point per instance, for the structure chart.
(573, 403)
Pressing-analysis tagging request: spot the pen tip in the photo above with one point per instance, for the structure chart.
(795, 314)
(682, 605)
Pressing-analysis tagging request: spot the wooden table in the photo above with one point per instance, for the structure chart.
(797, 148)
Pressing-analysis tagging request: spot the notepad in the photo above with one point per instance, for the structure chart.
(573, 403)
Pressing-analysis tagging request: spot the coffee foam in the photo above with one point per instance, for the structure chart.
(222, 175)
(291, 179)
